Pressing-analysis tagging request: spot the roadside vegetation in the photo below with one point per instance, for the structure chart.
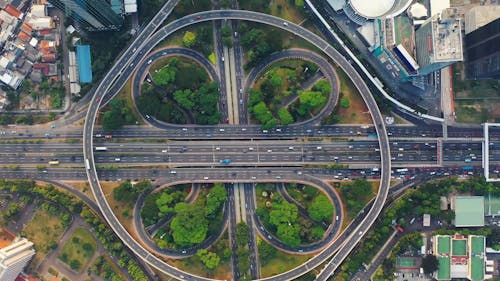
(160, 204)
(180, 93)
(273, 262)
(191, 223)
(278, 99)
(65, 201)
(355, 195)
(213, 262)
(415, 203)
(78, 250)
(283, 219)
(319, 208)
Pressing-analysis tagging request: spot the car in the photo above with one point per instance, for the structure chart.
(253, 177)
(336, 218)
(319, 148)
(173, 172)
(265, 131)
(164, 151)
(359, 233)
(184, 129)
(117, 159)
(290, 148)
(299, 173)
(98, 99)
(205, 178)
(243, 129)
(217, 148)
(285, 23)
(147, 116)
(278, 177)
(221, 130)
(150, 61)
(198, 17)
(269, 150)
(133, 50)
(184, 251)
(222, 58)
(53, 126)
(98, 135)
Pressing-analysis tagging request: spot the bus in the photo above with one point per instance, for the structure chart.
(404, 170)
(467, 168)
(101, 148)
(399, 228)
(54, 162)
(87, 164)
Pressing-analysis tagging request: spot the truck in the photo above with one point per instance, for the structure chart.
(225, 161)
(404, 170)
(101, 148)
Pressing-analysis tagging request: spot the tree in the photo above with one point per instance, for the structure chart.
(344, 102)
(321, 209)
(261, 112)
(430, 264)
(266, 251)
(242, 234)
(189, 39)
(311, 99)
(283, 213)
(215, 199)
(125, 192)
(184, 98)
(285, 117)
(189, 226)
(209, 259)
(166, 75)
(254, 96)
(289, 234)
(164, 204)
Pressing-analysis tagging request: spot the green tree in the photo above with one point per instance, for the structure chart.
(311, 99)
(184, 98)
(215, 199)
(266, 251)
(209, 259)
(321, 209)
(164, 204)
(189, 39)
(344, 102)
(430, 264)
(242, 234)
(189, 226)
(125, 192)
(261, 112)
(289, 234)
(285, 117)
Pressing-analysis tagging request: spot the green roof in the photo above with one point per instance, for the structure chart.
(444, 244)
(492, 205)
(477, 269)
(459, 247)
(444, 268)
(477, 245)
(469, 211)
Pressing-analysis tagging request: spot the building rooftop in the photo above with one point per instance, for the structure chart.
(447, 40)
(479, 16)
(443, 243)
(372, 9)
(459, 247)
(84, 63)
(469, 211)
(444, 268)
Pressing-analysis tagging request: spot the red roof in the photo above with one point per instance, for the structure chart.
(11, 10)
(49, 58)
(27, 28)
(24, 36)
(45, 31)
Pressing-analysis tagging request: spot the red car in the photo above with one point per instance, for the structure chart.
(98, 99)
(198, 17)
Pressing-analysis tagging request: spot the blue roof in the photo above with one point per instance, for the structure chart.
(84, 63)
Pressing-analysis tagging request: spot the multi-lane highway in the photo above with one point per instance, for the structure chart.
(246, 15)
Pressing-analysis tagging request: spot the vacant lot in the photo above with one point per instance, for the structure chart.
(78, 250)
(44, 231)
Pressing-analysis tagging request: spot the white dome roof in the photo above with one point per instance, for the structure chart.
(372, 8)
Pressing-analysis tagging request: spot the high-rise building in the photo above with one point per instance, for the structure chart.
(92, 15)
(14, 257)
(482, 51)
(439, 42)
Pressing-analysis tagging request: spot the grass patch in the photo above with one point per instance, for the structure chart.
(286, 10)
(281, 262)
(44, 230)
(357, 112)
(78, 250)
(123, 211)
(194, 265)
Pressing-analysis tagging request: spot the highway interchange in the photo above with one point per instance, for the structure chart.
(147, 46)
(257, 156)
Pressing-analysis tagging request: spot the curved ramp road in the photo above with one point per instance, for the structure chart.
(325, 67)
(147, 46)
